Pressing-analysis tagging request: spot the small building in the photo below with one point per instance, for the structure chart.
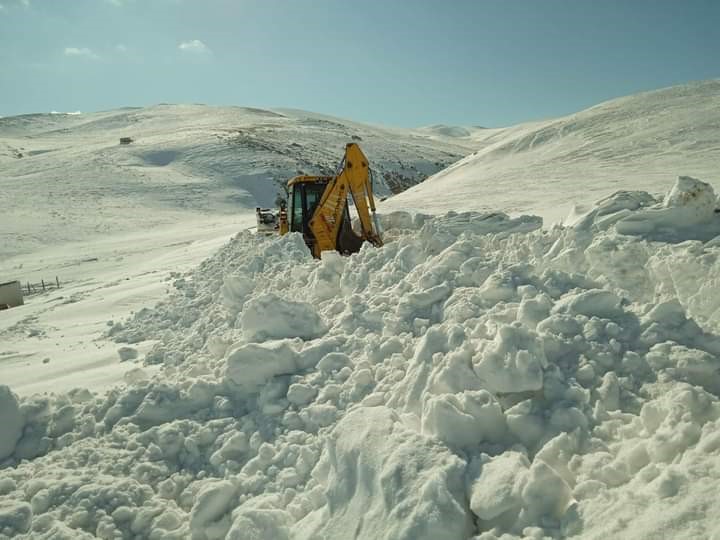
(11, 294)
(126, 140)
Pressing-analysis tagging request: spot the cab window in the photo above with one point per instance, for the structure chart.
(296, 223)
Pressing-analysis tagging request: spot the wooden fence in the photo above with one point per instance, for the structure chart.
(35, 288)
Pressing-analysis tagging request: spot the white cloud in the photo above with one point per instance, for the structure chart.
(80, 51)
(121, 48)
(194, 46)
(11, 3)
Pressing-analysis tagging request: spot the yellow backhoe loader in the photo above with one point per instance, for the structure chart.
(319, 209)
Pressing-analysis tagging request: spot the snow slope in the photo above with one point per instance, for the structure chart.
(52, 343)
(186, 162)
(640, 142)
(478, 377)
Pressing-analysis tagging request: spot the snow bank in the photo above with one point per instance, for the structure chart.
(688, 211)
(475, 377)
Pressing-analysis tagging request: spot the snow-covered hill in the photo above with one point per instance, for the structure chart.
(189, 162)
(65, 176)
(638, 142)
(478, 377)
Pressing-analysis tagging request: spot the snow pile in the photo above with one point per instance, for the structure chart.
(475, 377)
(690, 210)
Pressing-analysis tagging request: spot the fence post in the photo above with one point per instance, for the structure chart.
(57, 281)
(42, 281)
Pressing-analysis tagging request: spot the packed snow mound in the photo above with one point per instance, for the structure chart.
(463, 381)
(689, 211)
(545, 168)
(384, 480)
(184, 162)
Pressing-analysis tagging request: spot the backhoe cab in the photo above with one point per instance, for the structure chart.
(319, 209)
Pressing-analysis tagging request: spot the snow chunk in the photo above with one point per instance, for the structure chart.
(383, 480)
(270, 317)
(674, 421)
(513, 362)
(260, 524)
(694, 195)
(301, 394)
(11, 422)
(325, 281)
(235, 290)
(545, 493)
(252, 365)
(595, 302)
(608, 211)
(15, 517)
(463, 420)
(688, 205)
(684, 364)
(401, 219)
(498, 486)
(333, 361)
(233, 448)
(213, 501)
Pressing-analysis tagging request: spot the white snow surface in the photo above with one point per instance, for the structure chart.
(186, 163)
(639, 142)
(478, 377)
(455, 384)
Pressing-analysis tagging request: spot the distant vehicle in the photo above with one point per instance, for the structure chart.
(267, 220)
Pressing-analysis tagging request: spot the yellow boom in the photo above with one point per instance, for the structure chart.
(319, 207)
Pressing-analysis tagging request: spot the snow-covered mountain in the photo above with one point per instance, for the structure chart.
(188, 162)
(476, 378)
(185, 162)
(639, 142)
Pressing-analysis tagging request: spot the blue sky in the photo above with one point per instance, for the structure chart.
(393, 62)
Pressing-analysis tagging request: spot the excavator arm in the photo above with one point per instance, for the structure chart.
(331, 215)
